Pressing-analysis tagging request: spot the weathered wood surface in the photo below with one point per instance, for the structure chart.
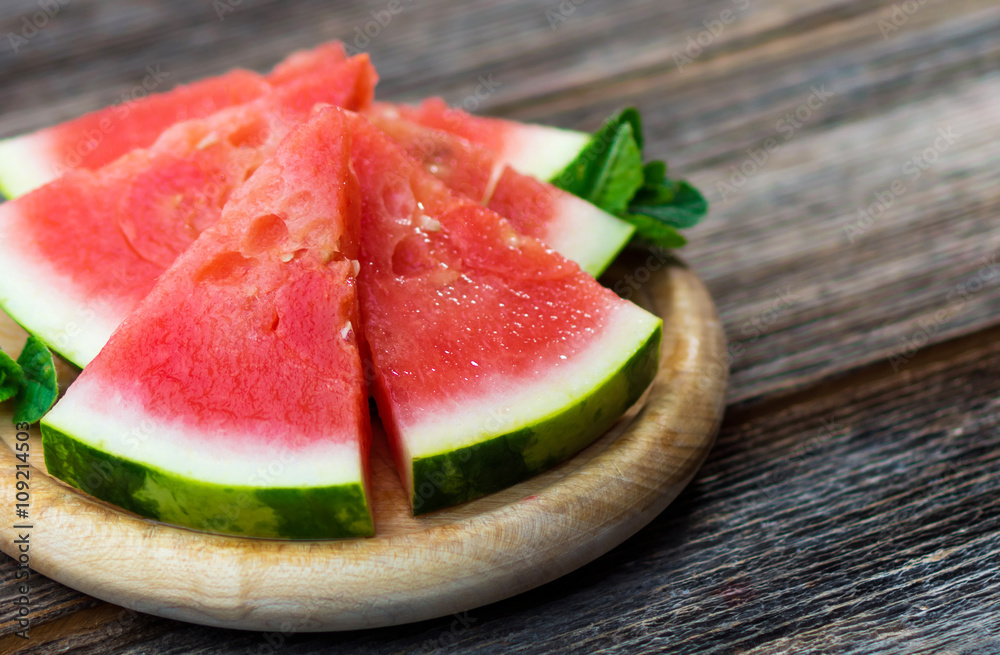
(878, 538)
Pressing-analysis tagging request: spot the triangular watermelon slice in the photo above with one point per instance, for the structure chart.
(572, 226)
(98, 138)
(232, 400)
(494, 357)
(82, 251)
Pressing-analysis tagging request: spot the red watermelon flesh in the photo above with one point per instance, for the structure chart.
(466, 169)
(575, 228)
(307, 62)
(243, 356)
(127, 222)
(494, 356)
(435, 113)
(98, 138)
(537, 150)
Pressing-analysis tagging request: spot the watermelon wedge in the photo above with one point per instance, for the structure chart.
(537, 150)
(98, 138)
(232, 400)
(82, 251)
(493, 356)
(605, 168)
(575, 228)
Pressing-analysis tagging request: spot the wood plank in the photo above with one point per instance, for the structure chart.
(102, 48)
(803, 293)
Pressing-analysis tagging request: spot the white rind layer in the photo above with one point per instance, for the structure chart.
(525, 402)
(541, 151)
(103, 417)
(586, 234)
(45, 302)
(26, 163)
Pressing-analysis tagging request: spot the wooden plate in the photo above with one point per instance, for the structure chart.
(414, 568)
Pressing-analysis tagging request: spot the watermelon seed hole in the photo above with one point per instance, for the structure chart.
(224, 267)
(250, 135)
(266, 232)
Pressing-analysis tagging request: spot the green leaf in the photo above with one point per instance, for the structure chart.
(619, 180)
(650, 231)
(11, 377)
(653, 174)
(40, 388)
(631, 116)
(610, 174)
(677, 204)
(608, 171)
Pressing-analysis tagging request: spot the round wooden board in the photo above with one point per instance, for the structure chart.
(414, 568)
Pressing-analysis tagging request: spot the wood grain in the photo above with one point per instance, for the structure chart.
(414, 568)
(694, 580)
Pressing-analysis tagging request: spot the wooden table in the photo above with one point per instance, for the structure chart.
(850, 151)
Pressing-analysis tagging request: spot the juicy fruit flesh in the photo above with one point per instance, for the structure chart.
(454, 263)
(307, 62)
(466, 169)
(271, 286)
(491, 133)
(245, 347)
(237, 369)
(131, 219)
(573, 227)
(536, 150)
(461, 314)
(149, 118)
(98, 138)
(525, 202)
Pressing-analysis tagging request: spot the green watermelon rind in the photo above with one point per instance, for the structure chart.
(322, 512)
(456, 476)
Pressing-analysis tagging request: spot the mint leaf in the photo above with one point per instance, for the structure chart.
(11, 377)
(609, 173)
(622, 177)
(677, 204)
(653, 174)
(40, 388)
(652, 232)
(631, 116)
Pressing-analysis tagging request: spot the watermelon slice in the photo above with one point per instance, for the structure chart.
(95, 139)
(232, 400)
(575, 228)
(605, 168)
(494, 357)
(82, 251)
(537, 150)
